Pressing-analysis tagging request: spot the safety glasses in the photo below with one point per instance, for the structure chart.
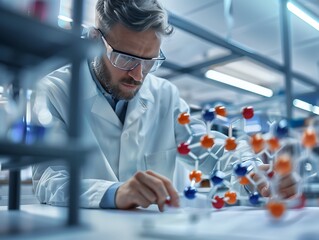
(128, 62)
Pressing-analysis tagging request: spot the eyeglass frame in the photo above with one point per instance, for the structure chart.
(110, 50)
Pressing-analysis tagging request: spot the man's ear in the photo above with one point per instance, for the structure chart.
(93, 33)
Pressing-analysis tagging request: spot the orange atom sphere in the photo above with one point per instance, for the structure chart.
(257, 143)
(207, 141)
(283, 165)
(230, 144)
(183, 118)
(244, 181)
(196, 175)
(273, 144)
(276, 209)
(232, 197)
(221, 110)
(309, 138)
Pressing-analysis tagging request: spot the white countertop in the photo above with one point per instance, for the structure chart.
(47, 222)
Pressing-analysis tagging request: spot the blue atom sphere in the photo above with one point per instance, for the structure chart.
(240, 170)
(282, 129)
(254, 198)
(217, 177)
(208, 114)
(190, 192)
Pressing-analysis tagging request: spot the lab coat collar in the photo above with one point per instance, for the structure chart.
(136, 107)
(143, 100)
(90, 85)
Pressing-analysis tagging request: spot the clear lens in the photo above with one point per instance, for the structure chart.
(127, 63)
(123, 61)
(148, 66)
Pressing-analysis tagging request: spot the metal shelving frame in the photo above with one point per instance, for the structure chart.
(31, 48)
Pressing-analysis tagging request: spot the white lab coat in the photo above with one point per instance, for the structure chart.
(148, 139)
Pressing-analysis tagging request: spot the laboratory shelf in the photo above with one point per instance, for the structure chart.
(29, 50)
(30, 41)
(43, 149)
(40, 152)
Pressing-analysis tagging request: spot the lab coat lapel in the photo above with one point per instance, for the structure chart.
(135, 109)
(103, 109)
(139, 104)
(100, 106)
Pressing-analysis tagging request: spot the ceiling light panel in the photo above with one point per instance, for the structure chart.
(253, 72)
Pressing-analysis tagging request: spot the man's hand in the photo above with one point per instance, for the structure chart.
(144, 189)
(286, 188)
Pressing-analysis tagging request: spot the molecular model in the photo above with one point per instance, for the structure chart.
(235, 166)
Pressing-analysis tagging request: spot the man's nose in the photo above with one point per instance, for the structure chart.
(137, 73)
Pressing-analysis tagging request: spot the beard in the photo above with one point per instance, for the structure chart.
(104, 76)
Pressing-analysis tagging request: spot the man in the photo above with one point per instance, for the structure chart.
(132, 117)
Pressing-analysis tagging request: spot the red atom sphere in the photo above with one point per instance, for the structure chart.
(218, 203)
(248, 112)
(270, 174)
(183, 148)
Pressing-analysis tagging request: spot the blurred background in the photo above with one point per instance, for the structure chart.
(233, 53)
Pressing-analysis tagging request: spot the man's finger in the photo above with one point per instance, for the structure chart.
(140, 200)
(287, 186)
(147, 193)
(154, 184)
(262, 187)
(286, 181)
(173, 194)
(288, 192)
(129, 195)
(264, 191)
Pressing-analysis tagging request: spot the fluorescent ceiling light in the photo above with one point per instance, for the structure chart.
(315, 110)
(65, 19)
(236, 82)
(302, 15)
(302, 105)
(306, 106)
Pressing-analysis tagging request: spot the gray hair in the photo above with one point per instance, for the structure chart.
(137, 15)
